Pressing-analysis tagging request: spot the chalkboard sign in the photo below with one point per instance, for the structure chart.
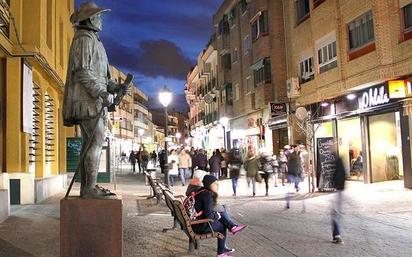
(326, 167)
(73, 149)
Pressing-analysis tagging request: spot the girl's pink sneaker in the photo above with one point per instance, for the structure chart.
(237, 229)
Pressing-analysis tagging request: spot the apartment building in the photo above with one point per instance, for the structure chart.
(251, 70)
(143, 126)
(32, 75)
(349, 65)
(177, 126)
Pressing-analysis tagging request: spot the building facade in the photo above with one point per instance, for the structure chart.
(352, 74)
(32, 74)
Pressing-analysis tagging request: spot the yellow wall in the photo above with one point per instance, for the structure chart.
(38, 22)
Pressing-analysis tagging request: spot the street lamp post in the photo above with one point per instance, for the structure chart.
(224, 121)
(165, 97)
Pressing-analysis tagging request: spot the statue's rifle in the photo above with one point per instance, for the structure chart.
(119, 96)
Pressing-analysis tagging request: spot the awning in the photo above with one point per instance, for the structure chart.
(258, 65)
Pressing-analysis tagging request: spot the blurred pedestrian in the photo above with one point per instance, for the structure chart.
(196, 183)
(139, 160)
(192, 154)
(201, 160)
(185, 163)
(294, 173)
(173, 165)
(339, 181)
(283, 168)
(234, 164)
(266, 163)
(153, 158)
(214, 163)
(144, 158)
(162, 161)
(251, 166)
(132, 160)
(275, 167)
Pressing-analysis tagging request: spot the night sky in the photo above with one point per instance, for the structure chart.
(157, 40)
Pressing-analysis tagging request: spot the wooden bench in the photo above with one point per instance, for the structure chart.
(186, 225)
(155, 192)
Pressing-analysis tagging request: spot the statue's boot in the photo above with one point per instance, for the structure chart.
(98, 193)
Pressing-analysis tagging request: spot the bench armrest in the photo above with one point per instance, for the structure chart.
(180, 196)
(194, 222)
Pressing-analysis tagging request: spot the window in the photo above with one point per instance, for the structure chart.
(407, 17)
(260, 26)
(229, 94)
(306, 70)
(248, 84)
(226, 62)
(232, 17)
(223, 28)
(243, 6)
(236, 93)
(263, 72)
(49, 38)
(361, 31)
(246, 45)
(302, 10)
(327, 57)
(235, 55)
(316, 3)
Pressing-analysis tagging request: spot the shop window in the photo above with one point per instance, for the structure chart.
(327, 57)
(306, 70)
(246, 45)
(260, 27)
(361, 32)
(302, 10)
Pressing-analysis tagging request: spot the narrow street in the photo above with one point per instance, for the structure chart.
(377, 221)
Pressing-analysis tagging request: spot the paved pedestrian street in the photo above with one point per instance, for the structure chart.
(377, 221)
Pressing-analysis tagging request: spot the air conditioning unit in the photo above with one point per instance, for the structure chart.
(293, 87)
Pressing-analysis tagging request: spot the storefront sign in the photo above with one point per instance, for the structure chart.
(397, 88)
(326, 167)
(277, 109)
(373, 97)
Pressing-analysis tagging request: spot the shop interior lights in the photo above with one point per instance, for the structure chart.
(351, 97)
(324, 104)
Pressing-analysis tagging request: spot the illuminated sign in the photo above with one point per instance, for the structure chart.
(397, 88)
(373, 97)
(277, 109)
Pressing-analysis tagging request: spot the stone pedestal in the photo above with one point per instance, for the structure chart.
(91, 228)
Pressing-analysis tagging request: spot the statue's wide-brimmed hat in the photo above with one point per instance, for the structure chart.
(85, 11)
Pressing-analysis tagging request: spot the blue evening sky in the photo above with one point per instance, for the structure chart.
(157, 40)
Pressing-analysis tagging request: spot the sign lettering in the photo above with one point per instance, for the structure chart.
(373, 97)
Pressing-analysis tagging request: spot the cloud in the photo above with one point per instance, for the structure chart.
(151, 58)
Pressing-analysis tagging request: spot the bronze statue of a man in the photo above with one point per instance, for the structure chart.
(88, 92)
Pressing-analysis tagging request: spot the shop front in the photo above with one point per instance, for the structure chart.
(370, 131)
(278, 125)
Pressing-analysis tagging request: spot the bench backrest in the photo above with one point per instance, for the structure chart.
(152, 183)
(183, 218)
(169, 198)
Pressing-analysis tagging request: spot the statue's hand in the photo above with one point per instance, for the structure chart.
(107, 98)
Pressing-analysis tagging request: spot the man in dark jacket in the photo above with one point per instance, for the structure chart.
(214, 163)
(339, 181)
(132, 159)
(201, 160)
(294, 173)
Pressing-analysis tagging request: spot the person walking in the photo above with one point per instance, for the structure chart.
(275, 167)
(294, 173)
(234, 164)
(173, 164)
(283, 166)
(153, 158)
(144, 156)
(251, 166)
(185, 162)
(214, 163)
(162, 161)
(223, 164)
(132, 160)
(192, 154)
(201, 160)
(339, 181)
(139, 160)
(266, 163)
